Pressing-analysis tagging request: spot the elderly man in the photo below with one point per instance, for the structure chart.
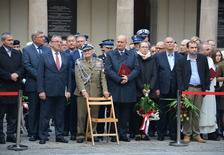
(91, 82)
(183, 46)
(160, 46)
(167, 88)
(11, 72)
(123, 86)
(31, 57)
(53, 86)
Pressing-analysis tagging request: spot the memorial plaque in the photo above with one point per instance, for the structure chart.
(220, 35)
(62, 17)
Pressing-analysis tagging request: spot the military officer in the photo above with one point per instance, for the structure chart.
(107, 46)
(90, 81)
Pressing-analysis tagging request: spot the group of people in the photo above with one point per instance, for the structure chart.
(61, 74)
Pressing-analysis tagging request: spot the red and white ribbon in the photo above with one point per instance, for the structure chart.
(145, 123)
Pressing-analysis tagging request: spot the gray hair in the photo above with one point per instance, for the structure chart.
(35, 33)
(55, 36)
(3, 36)
(168, 38)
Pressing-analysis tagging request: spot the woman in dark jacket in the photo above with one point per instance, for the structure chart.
(147, 75)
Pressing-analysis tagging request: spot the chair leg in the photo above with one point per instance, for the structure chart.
(87, 129)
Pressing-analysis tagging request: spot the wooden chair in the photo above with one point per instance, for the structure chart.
(93, 101)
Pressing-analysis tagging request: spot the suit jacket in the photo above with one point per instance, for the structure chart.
(31, 59)
(97, 83)
(49, 79)
(9, 65)
(167, 80)
(184, 72)
(122, 92)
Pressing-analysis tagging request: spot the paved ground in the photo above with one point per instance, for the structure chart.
(152, 147)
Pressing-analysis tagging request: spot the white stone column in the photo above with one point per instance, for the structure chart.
(209, 19)
(125, 18)
(37, 16)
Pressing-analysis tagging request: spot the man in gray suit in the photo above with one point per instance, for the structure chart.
(30, 59)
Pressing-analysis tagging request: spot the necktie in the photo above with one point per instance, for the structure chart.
(39, 50)
(82, 55)
(57, 61)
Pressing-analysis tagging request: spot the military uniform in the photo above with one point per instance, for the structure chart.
(89, 78)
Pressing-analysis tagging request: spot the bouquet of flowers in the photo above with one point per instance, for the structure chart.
(186, 107)
(148, 109)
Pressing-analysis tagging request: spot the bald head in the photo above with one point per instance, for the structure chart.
(121, 42)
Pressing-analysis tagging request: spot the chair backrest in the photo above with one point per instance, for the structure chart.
(99, 101)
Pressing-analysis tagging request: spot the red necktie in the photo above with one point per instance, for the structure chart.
(57, 61)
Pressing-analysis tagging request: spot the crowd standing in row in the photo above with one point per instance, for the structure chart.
(63, 73)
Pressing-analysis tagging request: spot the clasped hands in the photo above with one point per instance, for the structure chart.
(14, 77)
(124, 79)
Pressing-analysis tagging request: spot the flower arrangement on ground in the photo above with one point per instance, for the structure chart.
(148, 109)
(186, 107)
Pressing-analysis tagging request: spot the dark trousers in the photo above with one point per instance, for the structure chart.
(67, 117)
(101, 126)
(73, 115)
(56, 104)
(122, 113)
(131, 119)
(167, 118)
(11, 112)
(34, 113)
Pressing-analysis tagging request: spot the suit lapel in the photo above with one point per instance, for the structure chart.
(51, 58)
(36, 52)
(165, 60)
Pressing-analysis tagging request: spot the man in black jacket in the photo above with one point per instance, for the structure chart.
(193, 75)
(11, 72)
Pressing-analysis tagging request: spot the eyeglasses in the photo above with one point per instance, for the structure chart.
(159, 48)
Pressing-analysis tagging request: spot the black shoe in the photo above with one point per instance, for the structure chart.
(80, 140)
(65, 133)
(138, 138)
(173, 138)
(95, 139)
(42, 141)
(47, 139)
(73, 137)
(2, 140)
(49, 130)
(11, 139)
(113, 139)
(213, 136)
(125, 139)
(100, 137)
(160, 138)
(145, 138)
(33, 138)
(61, 140)
(132, 135)
(152, 134)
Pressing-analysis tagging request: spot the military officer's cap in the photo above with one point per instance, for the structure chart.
(87, 47)
(137, 38)
(143, 32)
(101, 46)
(108, 43)
(46, 39)
(16, 42)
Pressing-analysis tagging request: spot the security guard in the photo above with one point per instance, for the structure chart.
(90, 81)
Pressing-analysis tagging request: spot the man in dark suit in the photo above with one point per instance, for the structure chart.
(167, 88)
(193, 75)
(71, 109)
(122, 88)
(11, 74)
(30, 57)
(53, 85)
